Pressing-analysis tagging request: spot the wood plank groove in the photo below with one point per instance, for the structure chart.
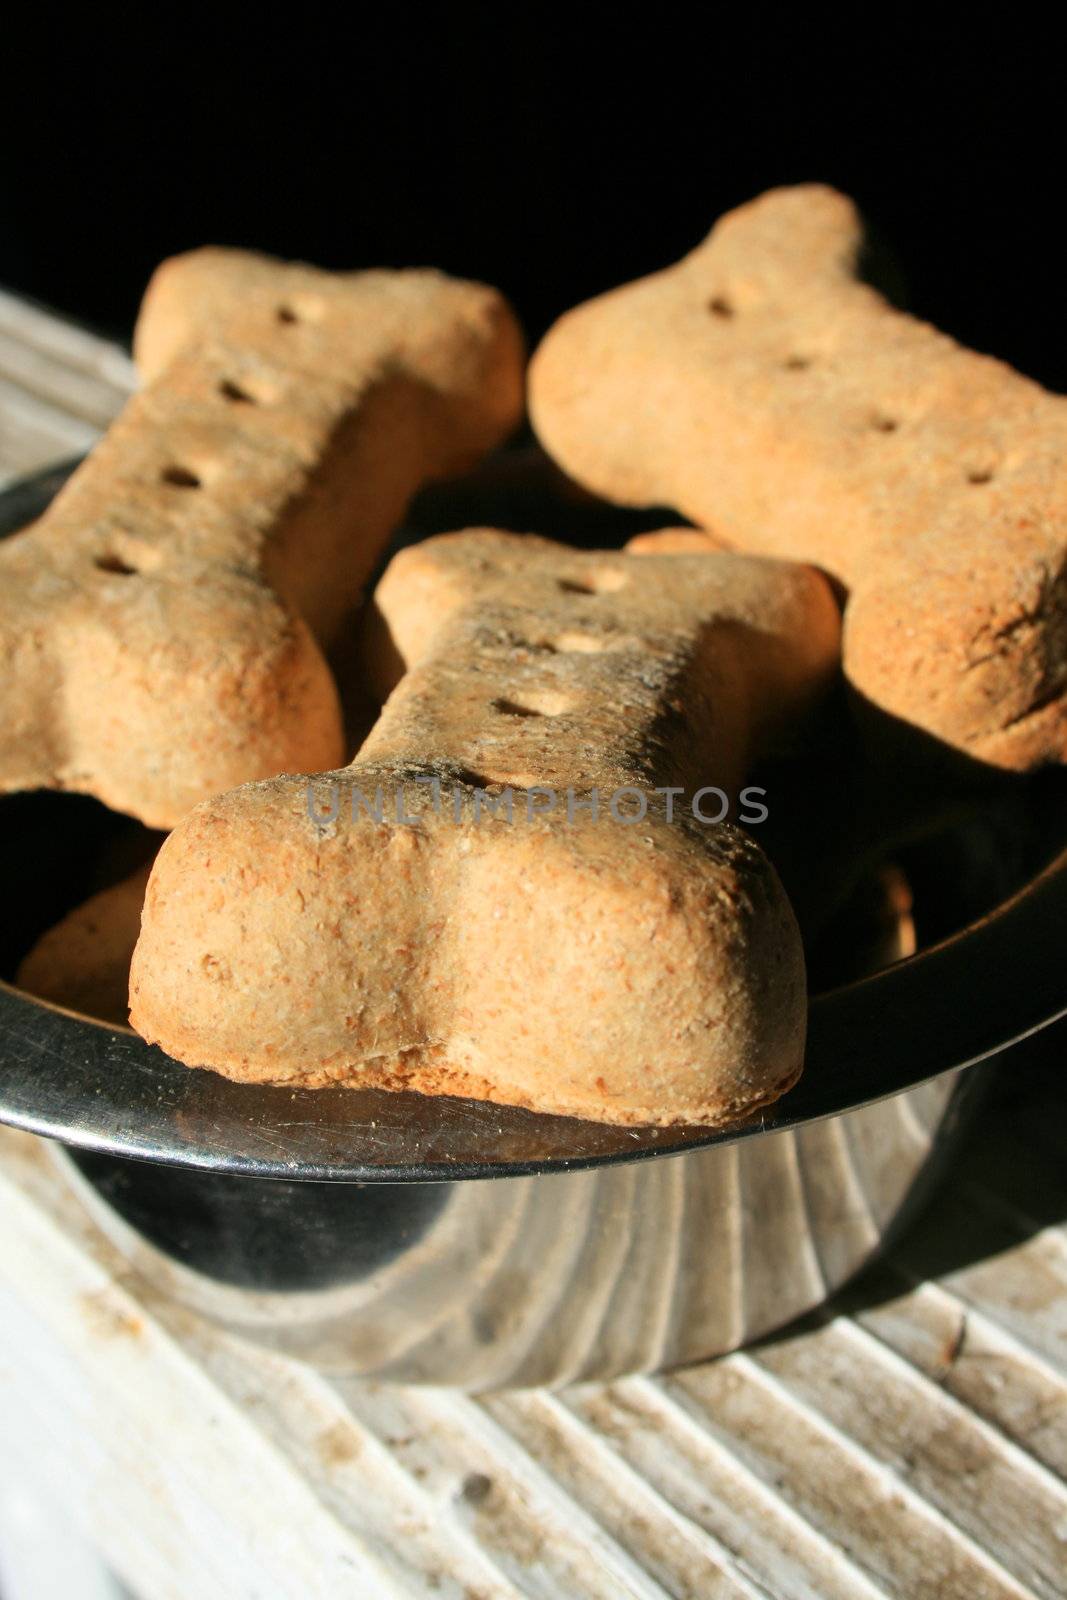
(65, 342)
(882, 1523)
(715, 1486)
(80, 395)
(682, 1550)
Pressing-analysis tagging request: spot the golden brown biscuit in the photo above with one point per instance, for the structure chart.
(765, 391)
(400, 930)
(677, 541)
(83, 963)
(160, 627)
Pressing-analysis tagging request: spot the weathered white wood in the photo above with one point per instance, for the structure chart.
(180, 1487)
(42, 1556)
(34, 433)
(911, 1442)
(67, 343)
(78, 394)
(970, 1356)
(59, 387)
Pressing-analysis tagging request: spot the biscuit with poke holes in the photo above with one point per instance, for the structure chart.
(763, 389)
(509, 894)
(162, 626)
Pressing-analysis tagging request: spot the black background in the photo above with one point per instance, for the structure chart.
(551, 154)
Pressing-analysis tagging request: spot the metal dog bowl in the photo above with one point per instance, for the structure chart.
(453, 1242)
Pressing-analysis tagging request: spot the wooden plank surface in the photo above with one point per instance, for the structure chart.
(909, 1441)
(59, 386)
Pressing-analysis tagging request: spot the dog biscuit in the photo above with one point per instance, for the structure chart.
(390, 925)
(83, 962)
(766, 391)
(161, 627)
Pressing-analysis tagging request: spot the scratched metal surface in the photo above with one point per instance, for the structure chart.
(909, 1441)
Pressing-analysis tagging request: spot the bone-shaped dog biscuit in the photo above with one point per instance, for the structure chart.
(83, 962)
(160, 627)
(628, 971)
(764, 390)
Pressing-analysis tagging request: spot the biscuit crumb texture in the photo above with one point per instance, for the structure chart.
(639, 971)
(763, 389)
